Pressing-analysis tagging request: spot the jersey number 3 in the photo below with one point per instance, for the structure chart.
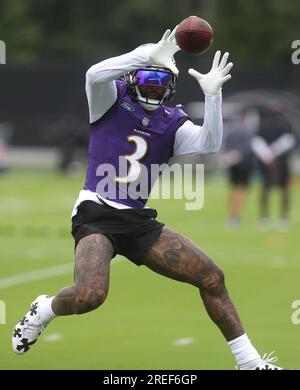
(134, 159)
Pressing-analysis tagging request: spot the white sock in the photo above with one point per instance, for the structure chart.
(245, 354)
(45, 310)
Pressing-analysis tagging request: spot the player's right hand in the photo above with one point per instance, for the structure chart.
(163, 51)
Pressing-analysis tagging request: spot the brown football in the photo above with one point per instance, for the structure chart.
(194, 35)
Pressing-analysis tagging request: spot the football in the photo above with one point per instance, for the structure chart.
(194, 35)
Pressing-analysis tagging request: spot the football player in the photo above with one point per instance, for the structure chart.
(129, 118)
(273, 145)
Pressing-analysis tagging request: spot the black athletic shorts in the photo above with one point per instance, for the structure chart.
(240, 174)
(281, 176)
(131, 231)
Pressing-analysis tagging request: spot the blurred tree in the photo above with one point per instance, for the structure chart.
(19, 30)
(77, 30)
(91, 29)
(258, 30)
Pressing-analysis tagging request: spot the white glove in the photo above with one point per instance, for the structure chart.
(162, 52)
(211, 83)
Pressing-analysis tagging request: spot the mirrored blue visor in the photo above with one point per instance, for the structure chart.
(161, 78)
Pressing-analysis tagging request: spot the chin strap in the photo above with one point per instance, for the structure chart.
(149, 107)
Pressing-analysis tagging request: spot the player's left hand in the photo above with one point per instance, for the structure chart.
(163, 51)
(211, 82)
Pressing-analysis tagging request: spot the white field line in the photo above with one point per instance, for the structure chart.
(183, 341)
(53, 337)
(40, 274)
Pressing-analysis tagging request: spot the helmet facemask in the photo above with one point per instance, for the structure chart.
(151, 86)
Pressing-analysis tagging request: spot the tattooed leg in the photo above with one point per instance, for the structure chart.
(92, 260)
(177, 257)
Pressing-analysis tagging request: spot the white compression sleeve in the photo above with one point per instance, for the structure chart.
(191, 138)
(100, 85)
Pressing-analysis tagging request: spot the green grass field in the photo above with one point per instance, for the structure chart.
(145, 313)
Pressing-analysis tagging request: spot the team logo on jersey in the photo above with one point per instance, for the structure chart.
(142, 132)
(145, 121)
(126, 105)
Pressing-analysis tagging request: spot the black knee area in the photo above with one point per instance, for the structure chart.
(88, 299)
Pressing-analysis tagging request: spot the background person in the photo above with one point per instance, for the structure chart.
(238, 159)
(272, 146)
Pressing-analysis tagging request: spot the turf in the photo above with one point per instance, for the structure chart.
(145, 313)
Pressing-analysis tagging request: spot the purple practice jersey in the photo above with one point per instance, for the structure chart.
(125, 144)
